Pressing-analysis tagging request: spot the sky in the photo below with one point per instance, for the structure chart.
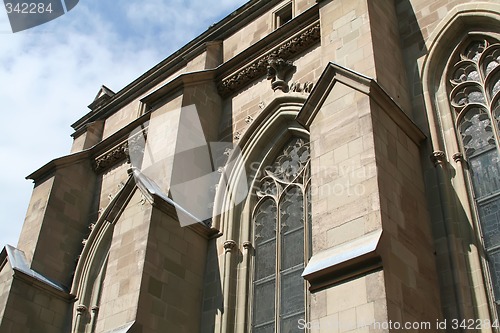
(50, 73)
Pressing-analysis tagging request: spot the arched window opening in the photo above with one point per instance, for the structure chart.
(474, 97)
(281, 221)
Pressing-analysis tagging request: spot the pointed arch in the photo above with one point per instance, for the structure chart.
(442, 96)
(91, 267)
(462, 20)
(275, 126)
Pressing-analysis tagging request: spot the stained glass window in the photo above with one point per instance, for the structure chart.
(281, 227)
(475, 81)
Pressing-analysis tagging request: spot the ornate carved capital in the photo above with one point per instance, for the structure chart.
(81, 309)
(229, 245)
(277, 71)
(95, 309)
(247, 245)
(438, 157)
(458, 157)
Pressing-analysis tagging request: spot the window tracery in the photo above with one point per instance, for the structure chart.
(281, 218)
(475, 99)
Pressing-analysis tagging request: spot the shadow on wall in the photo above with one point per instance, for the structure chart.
(413, 48)
(213, 302)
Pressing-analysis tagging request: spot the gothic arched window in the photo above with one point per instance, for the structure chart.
(281, 236)
(475, 99)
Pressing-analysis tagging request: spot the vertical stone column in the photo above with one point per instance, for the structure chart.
(230, 247)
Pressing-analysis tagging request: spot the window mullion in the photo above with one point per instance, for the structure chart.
(278, 265)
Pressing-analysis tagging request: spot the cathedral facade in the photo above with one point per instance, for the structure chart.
(301, 166)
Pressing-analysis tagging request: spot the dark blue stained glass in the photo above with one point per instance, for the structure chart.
(494, 264)
(485, 172)
(265, 221)
(269, 328)
(265, 260)
(263, 303)
(292, 293)
(476, 131)
(291, 324)
(279, 228)
(489, 213)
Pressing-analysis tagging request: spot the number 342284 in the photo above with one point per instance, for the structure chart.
(28, 8)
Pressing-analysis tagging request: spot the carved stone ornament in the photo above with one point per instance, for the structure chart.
(120, 152)
(438, 157)
(278, 71)
(115, 155)
(229, 245)
(458, 157)
(258, 67)
(247, 245)
(81, 309)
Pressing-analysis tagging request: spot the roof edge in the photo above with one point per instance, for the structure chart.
(227, 26)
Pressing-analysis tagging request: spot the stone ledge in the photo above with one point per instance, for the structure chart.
(343, 262)
(21, 269)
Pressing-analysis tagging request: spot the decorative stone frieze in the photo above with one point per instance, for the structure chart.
(258, 67)
(115, 155)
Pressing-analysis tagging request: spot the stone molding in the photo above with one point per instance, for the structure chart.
(258, 68)
(119, 152)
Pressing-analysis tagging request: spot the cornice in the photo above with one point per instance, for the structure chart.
(103, 155)
(116, 154)
(286, 50)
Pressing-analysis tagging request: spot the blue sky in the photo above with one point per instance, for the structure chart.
(50, 73)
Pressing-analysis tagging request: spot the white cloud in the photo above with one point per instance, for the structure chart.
(49, 74)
